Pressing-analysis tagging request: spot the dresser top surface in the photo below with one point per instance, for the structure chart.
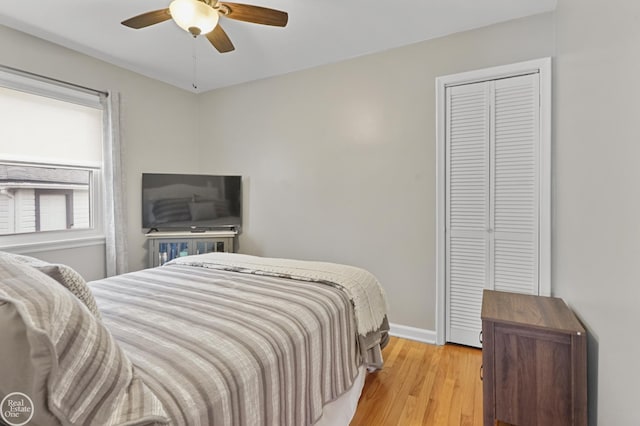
(536, 311)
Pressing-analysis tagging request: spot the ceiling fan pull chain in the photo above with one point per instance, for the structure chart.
(195, 67)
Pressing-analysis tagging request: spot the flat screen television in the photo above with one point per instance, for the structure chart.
(191, 202)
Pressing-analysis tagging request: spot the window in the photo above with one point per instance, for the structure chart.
(51, 162)
(44, 198)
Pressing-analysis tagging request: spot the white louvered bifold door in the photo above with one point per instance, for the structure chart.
(515, 180)
(492, 148)
(467, 208)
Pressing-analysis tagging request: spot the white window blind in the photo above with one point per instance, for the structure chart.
(51, 162)
(41, 129)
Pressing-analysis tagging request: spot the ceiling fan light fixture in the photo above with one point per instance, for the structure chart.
(194, 16)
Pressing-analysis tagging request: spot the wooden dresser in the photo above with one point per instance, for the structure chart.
(534, 359)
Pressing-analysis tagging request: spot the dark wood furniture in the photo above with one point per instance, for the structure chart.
(534, 359)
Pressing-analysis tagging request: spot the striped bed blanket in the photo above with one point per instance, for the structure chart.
(220, 347)
(366, 294)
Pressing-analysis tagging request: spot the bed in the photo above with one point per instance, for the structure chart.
(215, 339)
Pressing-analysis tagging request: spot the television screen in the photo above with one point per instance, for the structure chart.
(191, 202)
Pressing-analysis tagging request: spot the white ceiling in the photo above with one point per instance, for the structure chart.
(319, 32)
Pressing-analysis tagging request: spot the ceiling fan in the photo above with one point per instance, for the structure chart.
(200, 17)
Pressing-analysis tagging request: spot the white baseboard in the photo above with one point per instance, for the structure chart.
(413, 333)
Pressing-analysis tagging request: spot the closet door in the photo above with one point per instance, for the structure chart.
(492, 160)
(515, 184)
(468, 208)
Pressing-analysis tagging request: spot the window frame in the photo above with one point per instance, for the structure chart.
(68, 238)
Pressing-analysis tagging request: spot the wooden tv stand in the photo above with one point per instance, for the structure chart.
(534, 359)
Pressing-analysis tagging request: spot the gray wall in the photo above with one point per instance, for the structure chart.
(596, 226)
(340, 159)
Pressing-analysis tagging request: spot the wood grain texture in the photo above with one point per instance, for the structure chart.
(423, 384)
(548, 313)
(147, 19)
(488, 385)
(579, 379)
(535, 373)
(220, 40)
(256, 14)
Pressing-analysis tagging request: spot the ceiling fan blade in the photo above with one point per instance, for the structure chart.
(146, 19)
(256, 14)
(220, 40)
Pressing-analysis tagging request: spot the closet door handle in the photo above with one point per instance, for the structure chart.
(481, 373)
(480, 336)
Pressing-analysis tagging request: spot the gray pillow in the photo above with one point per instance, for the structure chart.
(74, 282)
(66, 276)
(89, 379)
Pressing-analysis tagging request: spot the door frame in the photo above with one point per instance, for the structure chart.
(541, 66)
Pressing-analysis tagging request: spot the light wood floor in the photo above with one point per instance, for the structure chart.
(423, 384)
